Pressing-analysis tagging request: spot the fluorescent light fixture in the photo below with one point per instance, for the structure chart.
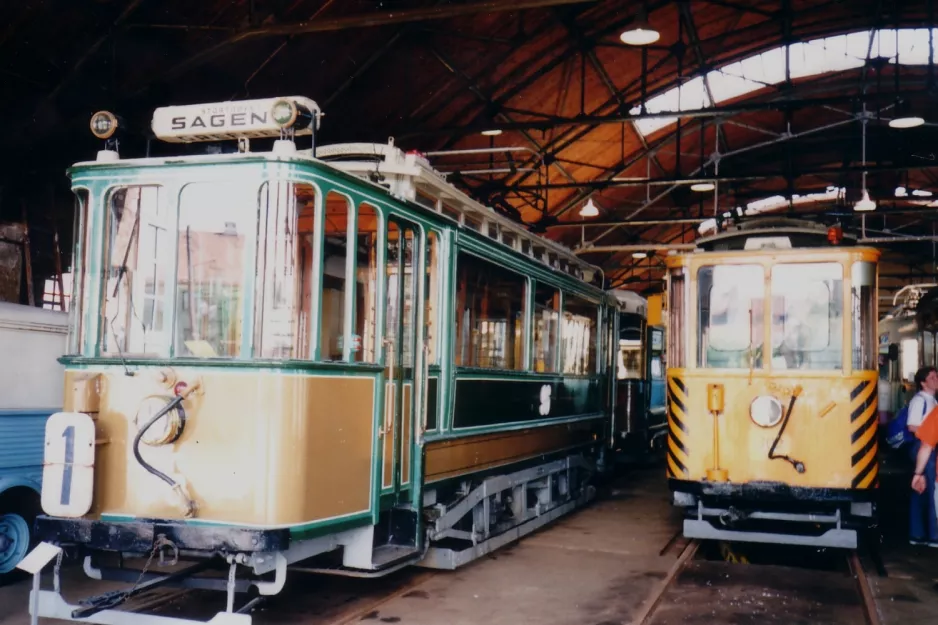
(702, 187)
(589, 209)
(492, 133)
(906, 122)
(921, 193)
(639, 255)
(865, 204)
(901, 192)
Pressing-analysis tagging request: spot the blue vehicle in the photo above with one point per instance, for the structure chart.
(31, 384)
(639, 420)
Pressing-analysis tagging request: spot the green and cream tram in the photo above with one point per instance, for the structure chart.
(327, 355)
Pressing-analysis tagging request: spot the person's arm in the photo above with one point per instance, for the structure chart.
(916, 414)
(928, 434)
(918, 478)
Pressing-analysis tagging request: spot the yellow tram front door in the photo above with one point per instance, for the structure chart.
(401, 338)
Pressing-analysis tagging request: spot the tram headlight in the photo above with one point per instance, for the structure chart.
(765, 411)
(167, 429)
(284, 113)
(103, 124)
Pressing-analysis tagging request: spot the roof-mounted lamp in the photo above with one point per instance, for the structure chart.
(589, 209)
(639, 255)
(290, 116)
(640, 31)
(104, 125)
(702, 187)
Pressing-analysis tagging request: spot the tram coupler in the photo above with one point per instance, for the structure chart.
(114, 598)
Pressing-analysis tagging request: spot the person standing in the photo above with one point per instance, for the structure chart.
(923, 519)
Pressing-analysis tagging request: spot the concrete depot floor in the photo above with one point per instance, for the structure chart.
(594, 567)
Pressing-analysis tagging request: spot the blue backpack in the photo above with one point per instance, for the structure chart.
(897, 431)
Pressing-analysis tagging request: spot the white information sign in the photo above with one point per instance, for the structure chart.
(68, 471)
(224, 120)
(36, 559)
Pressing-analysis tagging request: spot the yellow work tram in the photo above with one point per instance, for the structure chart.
(771, 385)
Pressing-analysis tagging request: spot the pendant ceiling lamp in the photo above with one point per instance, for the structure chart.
(865, 204)
(640, 32)
(589, 209)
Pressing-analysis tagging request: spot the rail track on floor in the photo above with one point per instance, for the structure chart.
(688, 550)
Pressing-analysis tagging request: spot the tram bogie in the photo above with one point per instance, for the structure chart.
(329, 358)
(772, 387)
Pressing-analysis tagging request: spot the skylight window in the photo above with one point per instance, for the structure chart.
(689, 96)
(806, 59)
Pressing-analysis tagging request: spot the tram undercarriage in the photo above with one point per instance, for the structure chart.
(485, 516)
(836, 523)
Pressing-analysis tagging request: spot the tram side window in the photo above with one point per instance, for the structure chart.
(545, 327)
(863, 307)
(77, 306)
(676, 329)
(432, 293)
(489, 315)
(807, 316)
(284, 266)
(366, 278)
(909, 358)
(139, 254)
(334, 278)
(730, 311)
(579, 335)
(400, 315)
(216, 231)
(929, 349)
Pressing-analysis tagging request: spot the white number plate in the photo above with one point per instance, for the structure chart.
(68, 471)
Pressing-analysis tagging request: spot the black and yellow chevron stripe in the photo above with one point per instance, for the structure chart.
(677, 427)
(863, 440)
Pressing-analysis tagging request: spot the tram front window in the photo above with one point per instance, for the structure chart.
(138, 254)
(807, 316)
(731, 300)
(216, 229)
(629, 360)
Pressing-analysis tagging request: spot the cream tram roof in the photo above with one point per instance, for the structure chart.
(411, 176)
(407, 176)
(630, 302)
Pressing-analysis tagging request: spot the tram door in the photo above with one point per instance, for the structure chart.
(401, 339)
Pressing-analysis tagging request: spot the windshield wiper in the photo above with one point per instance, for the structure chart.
(121, 273)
